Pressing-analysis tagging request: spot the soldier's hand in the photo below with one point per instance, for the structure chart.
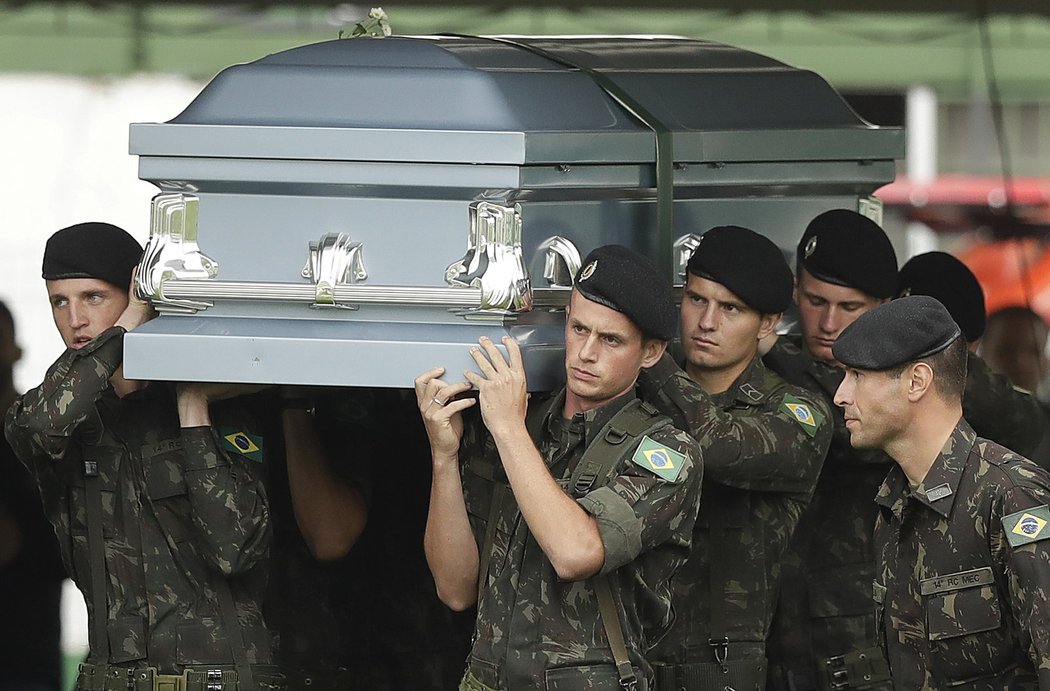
(502, 390)
(442, 411)
(193, 399)
(139, 311)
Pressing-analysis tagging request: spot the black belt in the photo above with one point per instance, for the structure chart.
(199, 678)
(857, 669)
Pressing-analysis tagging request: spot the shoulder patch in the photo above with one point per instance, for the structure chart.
(1027, 526)
(248, 445)
(659, 459)
(805, 414)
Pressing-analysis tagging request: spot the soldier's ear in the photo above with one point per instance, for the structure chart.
(919, 381)
(767, 323)
(652, 350)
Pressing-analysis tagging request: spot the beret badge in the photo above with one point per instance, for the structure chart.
(811, 247)
(588, 270)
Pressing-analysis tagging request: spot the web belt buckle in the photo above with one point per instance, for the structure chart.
(857, 669)
(213, 680)
(838, 675)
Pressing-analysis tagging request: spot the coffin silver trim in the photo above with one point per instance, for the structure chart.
(561, 261)
(334, 260)
(172, 252)
(493, 262)
(683, 251)
(348, 294)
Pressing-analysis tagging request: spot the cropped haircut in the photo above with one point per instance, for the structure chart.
(949, 369)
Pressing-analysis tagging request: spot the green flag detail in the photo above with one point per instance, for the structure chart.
(1030, 525)
(247, 445)
(808, 417)
(658, 459)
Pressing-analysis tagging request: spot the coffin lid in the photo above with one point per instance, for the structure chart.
(503, 104)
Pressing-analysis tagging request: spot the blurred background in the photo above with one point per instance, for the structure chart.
(969, 82)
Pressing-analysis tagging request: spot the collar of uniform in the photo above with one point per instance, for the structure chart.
(746, 389)
(937, 490)
(594, 419)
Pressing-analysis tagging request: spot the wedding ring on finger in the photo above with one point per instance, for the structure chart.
(438, 401)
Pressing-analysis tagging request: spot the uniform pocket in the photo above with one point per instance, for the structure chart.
(960, 604)
(964, 626)
(166, 488)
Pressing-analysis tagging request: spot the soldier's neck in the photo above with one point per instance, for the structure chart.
(919, 447)
(716, 380)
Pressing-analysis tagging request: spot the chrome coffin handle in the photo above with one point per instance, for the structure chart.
(683, 250)
(561, 261)
(172, 252)
(334, 260)
(493, 262)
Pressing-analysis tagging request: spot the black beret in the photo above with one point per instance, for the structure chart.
(92, 250)
(940, 275)
(623, 280)
(845, 248)
(749, 265)
(896, 333)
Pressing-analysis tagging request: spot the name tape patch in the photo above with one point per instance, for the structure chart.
(658, 459)
(808, 417)
(1027, 526)
(957, 581)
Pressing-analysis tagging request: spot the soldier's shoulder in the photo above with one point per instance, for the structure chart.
(676, 439)
(1007, 467)
(777, 389)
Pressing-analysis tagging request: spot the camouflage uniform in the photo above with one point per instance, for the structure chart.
(823, 610)
(963, 588)
(181, 510)
(761, 462)
(537, 632)
(824, 613)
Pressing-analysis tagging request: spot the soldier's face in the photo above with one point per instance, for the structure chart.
(604, 351)
(719, 332)
(875, 407)
(84, 307)
(825, 309)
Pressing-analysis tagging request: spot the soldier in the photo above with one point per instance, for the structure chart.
(346, 621)
(161, 515)
(319, 505)
(822, 633)
(571, 519)
(963, 566)
(996, 409)
(763, 442)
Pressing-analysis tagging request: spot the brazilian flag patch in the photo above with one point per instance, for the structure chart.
(803, 413)
(247, 445)
(657, 458)
(1027, 526)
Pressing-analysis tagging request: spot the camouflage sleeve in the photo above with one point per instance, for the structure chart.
(42, 421)
(228, 502)
(787, 359)
(1018, 536)
(480, 470)
(642, 508)
(780, 449)
(998, 411)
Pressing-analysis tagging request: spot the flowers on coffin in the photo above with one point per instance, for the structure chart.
(375, 25)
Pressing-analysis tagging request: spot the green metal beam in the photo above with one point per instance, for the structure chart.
(854, 51)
